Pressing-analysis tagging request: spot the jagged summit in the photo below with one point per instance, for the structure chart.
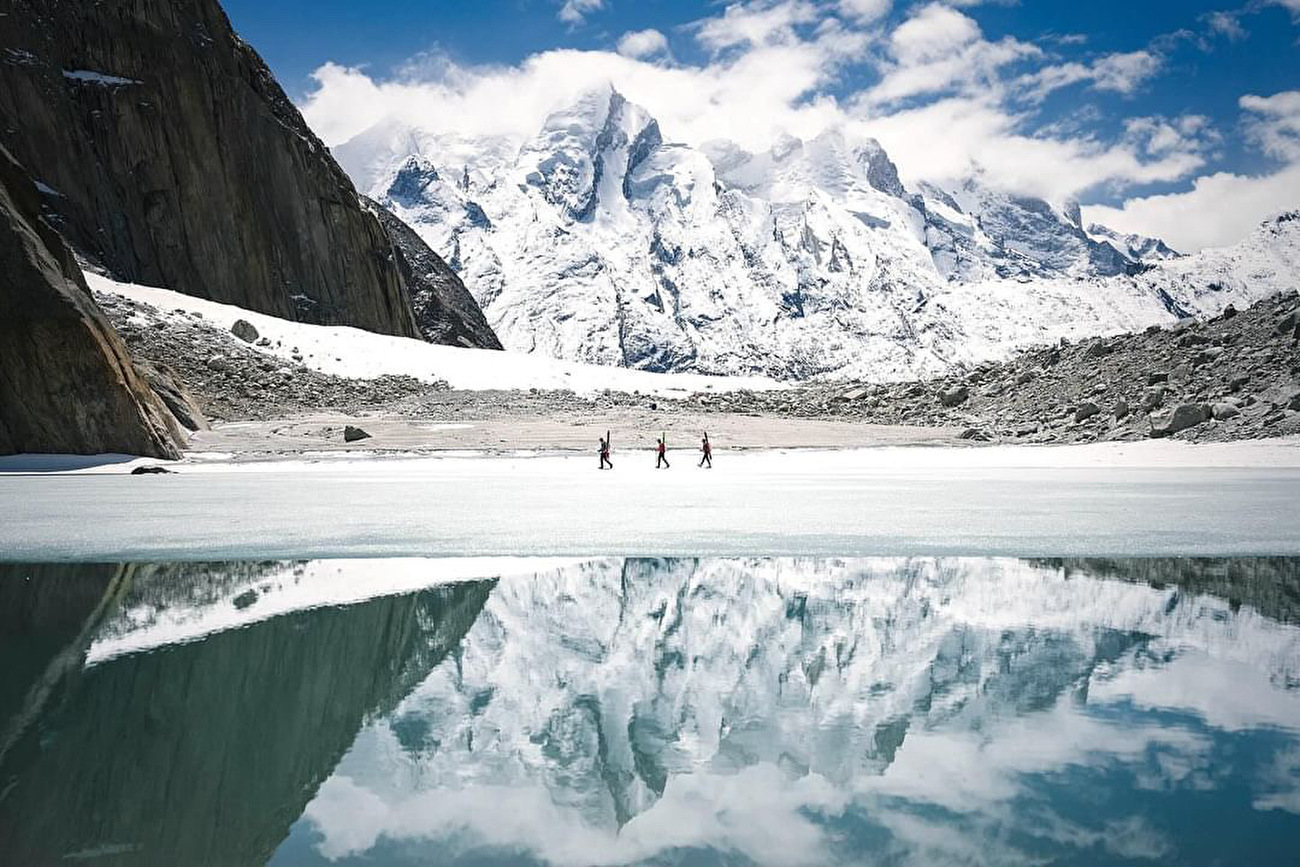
(597, 238)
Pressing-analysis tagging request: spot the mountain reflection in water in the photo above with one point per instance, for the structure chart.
(769, 711)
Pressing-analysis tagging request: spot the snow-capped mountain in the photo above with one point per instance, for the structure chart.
(599, 239)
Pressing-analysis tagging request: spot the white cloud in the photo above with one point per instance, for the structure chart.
(1122, 73)
(642, 43)
(574, 11)
(1226, 24)
(1119, 73)
(1220, 209)
(1159, 136)
(1274, 123)
(934, 32)
(946, 140)
(865, 11)
(938, 50)
(755, 24)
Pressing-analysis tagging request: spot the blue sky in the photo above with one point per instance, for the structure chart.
(1171, 117)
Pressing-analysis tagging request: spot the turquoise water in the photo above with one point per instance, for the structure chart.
(651, 711)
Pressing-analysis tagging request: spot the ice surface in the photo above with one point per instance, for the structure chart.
(1143, 499)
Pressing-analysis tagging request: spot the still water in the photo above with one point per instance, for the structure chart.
(762, 711)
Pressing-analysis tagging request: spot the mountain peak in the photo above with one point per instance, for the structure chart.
(413, 177)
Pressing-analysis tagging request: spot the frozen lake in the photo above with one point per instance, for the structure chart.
(1133, 500)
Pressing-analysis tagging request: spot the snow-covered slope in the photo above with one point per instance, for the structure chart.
(600, 240)
(343, 351)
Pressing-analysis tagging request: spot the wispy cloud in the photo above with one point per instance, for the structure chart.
(575, 11)
(642, 43)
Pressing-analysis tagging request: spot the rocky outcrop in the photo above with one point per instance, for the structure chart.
(173, 158)
(173, 393)
(445, 311)
(67, 383)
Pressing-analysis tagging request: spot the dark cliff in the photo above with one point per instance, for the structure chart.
(173, 158)
(445, 311)
(67, 383)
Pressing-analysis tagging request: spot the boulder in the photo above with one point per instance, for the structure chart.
(854, 394)
(1224, 411)
(1024, 377)
(1156, 377)
(1154, 398)
(1294, 402)
(954, 396)
(244, 330)
(1181, 375)
(352, 434)
(1086, 410)
(1229, 312)
(1286, 323)
(149, 471)
(1238, 382)
(1098, 348)
(1184, 416)
(1121, 408)
(974, 433)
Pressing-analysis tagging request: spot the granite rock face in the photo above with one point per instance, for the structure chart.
(172, 158)
(445, 311)
(67, 383)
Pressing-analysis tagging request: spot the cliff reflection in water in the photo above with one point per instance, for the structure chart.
(665, 711)
(202, 752)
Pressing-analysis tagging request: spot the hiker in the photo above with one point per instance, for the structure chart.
(604, 453)
(661, 450)
(708, 453)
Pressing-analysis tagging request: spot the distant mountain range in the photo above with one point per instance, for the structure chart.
(599, 240)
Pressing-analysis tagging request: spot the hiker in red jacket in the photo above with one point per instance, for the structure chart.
(661, 450)
(708, 453)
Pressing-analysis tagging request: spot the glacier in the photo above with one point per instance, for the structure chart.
(601, 240)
